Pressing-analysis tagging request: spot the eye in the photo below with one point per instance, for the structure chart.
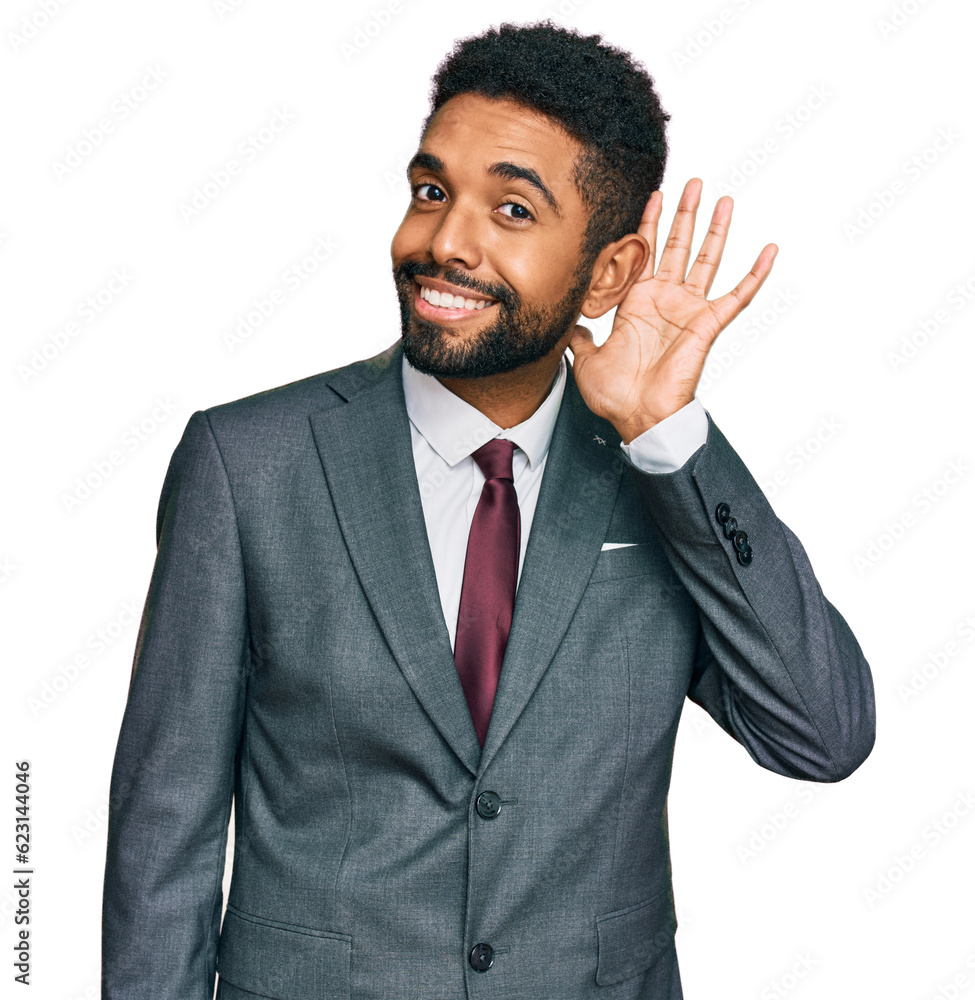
(518, 211)
(428, 192)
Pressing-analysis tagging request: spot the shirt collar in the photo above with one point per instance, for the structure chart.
(455, 429)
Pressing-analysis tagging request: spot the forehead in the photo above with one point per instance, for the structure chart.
(474, 131)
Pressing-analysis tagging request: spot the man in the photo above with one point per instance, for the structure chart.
(431, 629)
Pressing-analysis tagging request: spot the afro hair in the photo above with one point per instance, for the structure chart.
(595, 92)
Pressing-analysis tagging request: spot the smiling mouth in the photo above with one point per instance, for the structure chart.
(446, 305)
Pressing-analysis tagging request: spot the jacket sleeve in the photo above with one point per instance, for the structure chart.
(173, 778)
(778, 668)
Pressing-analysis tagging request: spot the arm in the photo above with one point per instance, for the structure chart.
(777, 666)
(173, 777)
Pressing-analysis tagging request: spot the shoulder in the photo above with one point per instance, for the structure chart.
(269, 430)
(268, 414)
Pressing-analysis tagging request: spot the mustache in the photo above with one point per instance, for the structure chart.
(407, 270)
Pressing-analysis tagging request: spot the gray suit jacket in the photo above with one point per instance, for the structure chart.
(293, 657)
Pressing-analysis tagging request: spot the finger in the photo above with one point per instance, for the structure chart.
(648, 230)
(729, 305)
(673, 260)
(705, 266)
(581, 342)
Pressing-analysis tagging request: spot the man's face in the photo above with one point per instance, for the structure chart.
(495, 223)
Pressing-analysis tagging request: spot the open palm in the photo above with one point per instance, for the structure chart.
(649, 366)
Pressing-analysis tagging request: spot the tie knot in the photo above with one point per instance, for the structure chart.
(494, 459)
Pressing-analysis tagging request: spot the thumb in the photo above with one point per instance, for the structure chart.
(581, 343)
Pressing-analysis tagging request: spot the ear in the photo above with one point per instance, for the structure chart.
(617, 267)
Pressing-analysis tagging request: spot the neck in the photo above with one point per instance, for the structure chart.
(512, 397)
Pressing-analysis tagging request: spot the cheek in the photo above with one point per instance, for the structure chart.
(541, 272)
(408, 240)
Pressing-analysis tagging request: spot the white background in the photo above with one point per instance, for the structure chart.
(770, 875)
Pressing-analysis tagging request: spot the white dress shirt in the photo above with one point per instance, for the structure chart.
(446, 430)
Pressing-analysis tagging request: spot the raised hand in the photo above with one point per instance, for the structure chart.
(649, 366)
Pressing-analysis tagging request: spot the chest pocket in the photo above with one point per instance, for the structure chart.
(631, 560)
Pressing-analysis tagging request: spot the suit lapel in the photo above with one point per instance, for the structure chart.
(367, 454)
(575, 504)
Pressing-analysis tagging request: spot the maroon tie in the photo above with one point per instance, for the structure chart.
(487, 597)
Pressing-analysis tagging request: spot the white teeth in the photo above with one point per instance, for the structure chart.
(447, 301)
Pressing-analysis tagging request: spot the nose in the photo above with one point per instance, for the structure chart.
(457, 240)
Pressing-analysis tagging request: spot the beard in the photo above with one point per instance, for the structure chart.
(519, 335)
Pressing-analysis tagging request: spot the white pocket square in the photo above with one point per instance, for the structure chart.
(616, 545)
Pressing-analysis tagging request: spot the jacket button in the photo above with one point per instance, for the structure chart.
(722, 513)
(745, 556)
(488, 805)
(730, 527)
(481, 957)
(741, 541)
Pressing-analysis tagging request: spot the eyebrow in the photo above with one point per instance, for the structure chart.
(514, 172)
(425, 161)
(504, 170)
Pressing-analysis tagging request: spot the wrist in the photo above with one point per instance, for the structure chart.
(636, 424)
(632, 428)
